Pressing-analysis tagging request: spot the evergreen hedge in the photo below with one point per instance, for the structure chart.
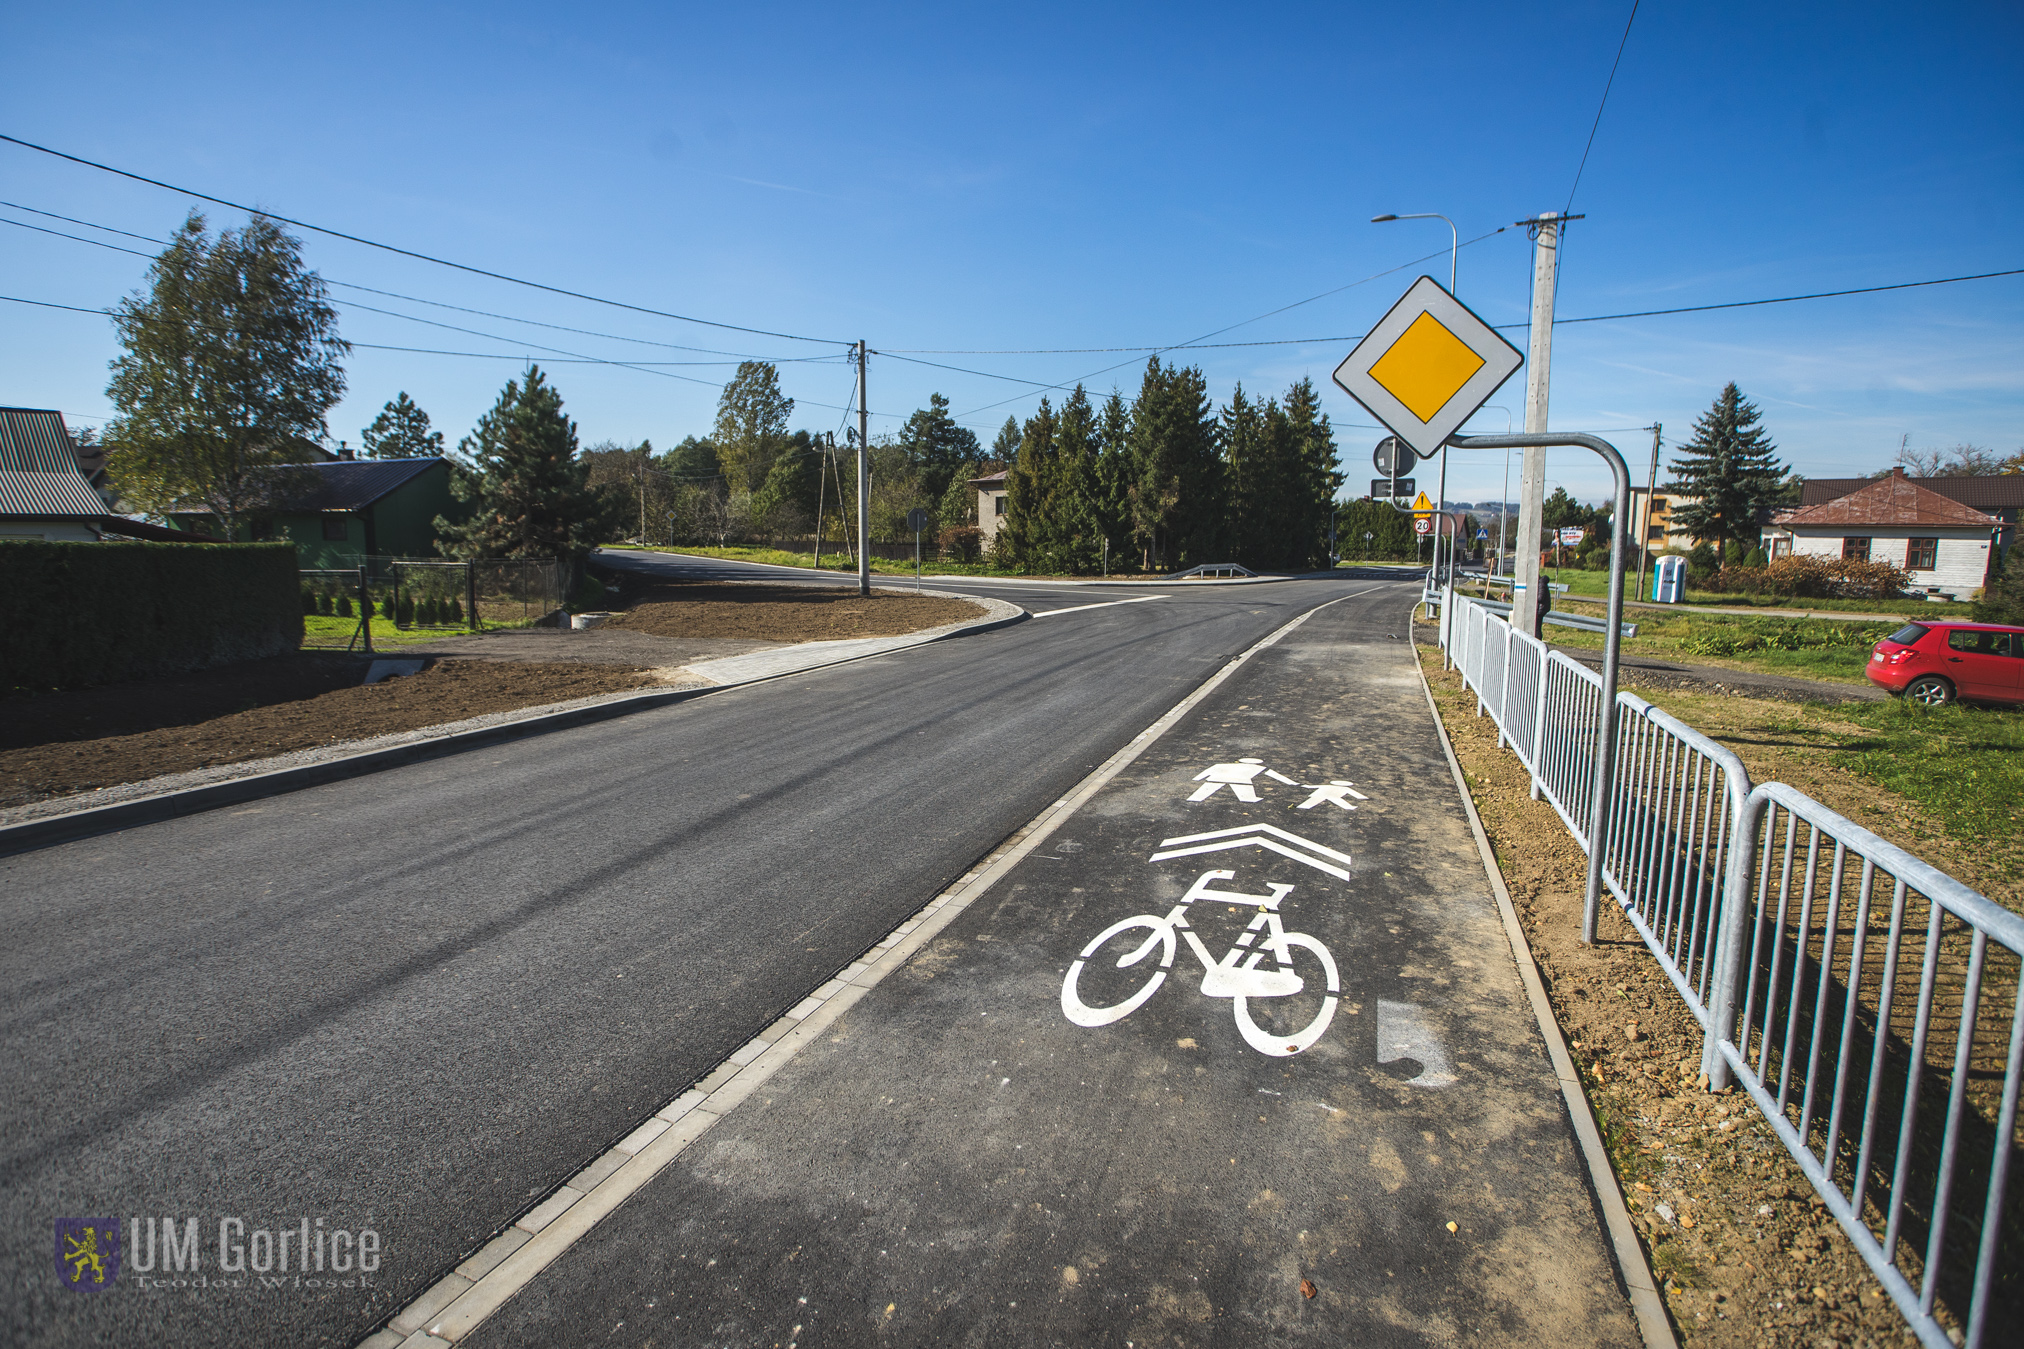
(77, 614)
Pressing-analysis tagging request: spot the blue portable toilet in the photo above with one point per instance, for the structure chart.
(1669, 580)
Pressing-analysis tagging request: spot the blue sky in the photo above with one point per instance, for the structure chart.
(975, 179)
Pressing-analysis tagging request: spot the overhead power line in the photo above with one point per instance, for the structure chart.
(1597, 124)
(390, 294)
(411, 253)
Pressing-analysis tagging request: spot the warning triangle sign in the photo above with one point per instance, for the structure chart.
(1423, 504)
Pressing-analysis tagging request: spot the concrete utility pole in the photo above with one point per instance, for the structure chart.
(863, 480)
(1644, 526)
(1546, 230)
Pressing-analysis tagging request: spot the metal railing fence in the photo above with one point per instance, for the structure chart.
(1673, 798)
(1896, 1092)
(1872, 1007)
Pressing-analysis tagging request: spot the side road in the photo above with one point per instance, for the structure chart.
(1234, 1052)
(57, 821)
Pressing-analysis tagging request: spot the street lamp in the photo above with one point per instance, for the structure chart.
(1454, 237)
(1454, 250)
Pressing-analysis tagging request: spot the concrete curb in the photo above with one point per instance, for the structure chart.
(49, 830)
(1645, 1301)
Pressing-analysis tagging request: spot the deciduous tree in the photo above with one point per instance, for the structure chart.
(231, 362)
(751, 426)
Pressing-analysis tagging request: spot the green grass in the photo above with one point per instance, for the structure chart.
(1829, 649)
(1965, 764)
(321, 632)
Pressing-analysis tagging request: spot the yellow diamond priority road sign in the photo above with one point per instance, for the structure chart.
(1427, 366)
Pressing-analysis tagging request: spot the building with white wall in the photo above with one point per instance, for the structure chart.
(1944, 545)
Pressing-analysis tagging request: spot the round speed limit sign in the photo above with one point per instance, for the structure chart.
(1423, 525)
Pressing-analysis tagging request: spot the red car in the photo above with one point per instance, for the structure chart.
(1935, 663)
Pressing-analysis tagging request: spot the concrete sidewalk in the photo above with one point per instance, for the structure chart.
(1023, 1136)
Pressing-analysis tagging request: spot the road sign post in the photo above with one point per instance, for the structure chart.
(1424, 370)
(917, 520)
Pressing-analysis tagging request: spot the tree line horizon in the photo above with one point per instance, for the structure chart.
(231, 362)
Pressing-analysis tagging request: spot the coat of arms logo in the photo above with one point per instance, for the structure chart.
(87, 1252)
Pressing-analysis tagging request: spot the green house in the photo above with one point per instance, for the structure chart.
(338, 512)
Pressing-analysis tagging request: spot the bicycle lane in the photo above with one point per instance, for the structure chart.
(968, 1155)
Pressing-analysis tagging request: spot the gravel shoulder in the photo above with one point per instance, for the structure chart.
(1745, 1253)
(123, 741)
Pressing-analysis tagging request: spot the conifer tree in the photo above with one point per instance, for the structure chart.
(937, 446)
(401, 431)
(1115, 473)
(1029, 489)
(1729, 470)
(522, 470)
(1177, 498)
(1075, 538)
(1252, 476)
(1320, 476)
(1006, 447)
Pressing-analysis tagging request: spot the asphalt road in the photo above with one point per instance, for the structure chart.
(416, 1001)
(1025, 1136)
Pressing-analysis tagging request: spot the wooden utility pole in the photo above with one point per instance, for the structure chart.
(863, 479)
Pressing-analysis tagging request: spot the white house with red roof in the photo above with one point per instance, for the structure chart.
(1945, 545)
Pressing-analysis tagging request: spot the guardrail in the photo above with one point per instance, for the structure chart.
(1763, 908)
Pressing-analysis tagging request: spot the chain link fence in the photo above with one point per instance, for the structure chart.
(409, 595)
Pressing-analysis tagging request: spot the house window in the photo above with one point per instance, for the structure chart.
(336, 528)
(997, 505)
(1921, 554)
(1657, 532)
(1855, 548)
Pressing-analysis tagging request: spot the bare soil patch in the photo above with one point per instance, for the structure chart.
(1744, 1251)
(61, 743)
(758, 611)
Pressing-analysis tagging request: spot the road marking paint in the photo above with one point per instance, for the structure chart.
(1078, 608)
(464, 1304)
(1256, 836)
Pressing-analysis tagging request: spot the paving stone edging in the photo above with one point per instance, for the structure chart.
(65, 826)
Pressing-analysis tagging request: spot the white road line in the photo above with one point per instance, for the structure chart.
(1076, 609)
(458, 1303)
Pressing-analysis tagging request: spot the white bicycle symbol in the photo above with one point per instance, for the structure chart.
(1237, 976)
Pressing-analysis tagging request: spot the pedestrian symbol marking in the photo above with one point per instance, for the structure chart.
(1237, 777)
(1268, 836)
(1333, 793)
(1426, 367)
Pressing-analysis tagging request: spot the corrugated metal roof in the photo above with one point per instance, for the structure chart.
(1895, 500)
(348, 484)
(38, 467)
(33, 440)
(2005, 489)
